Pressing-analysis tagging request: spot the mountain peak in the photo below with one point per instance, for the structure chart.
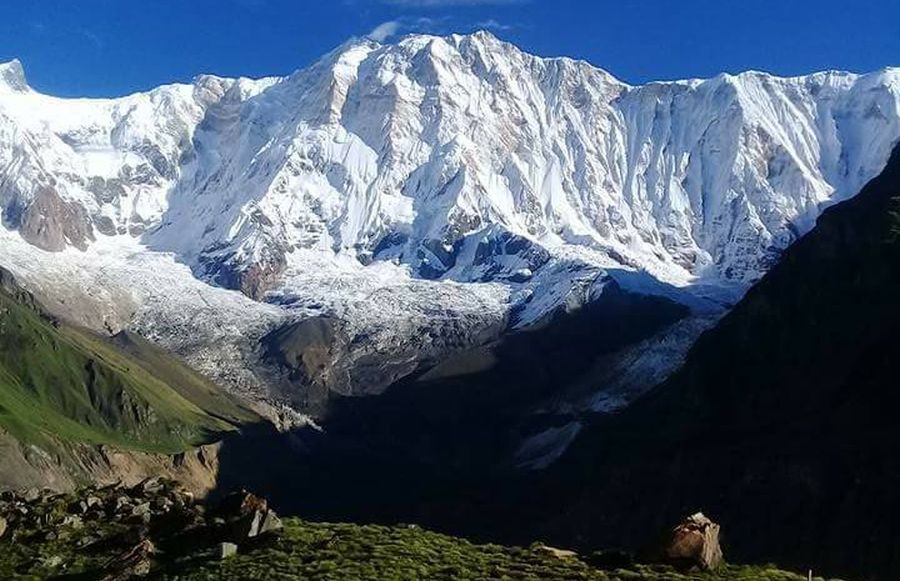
(13, 75)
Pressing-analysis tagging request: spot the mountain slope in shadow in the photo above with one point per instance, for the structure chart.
(782, 424)
(424, 449)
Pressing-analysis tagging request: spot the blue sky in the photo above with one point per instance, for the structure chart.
(113, 47)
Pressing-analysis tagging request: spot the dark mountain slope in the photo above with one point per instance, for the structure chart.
(783, 423)
(420, 451)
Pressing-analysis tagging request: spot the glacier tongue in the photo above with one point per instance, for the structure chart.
(515, 181)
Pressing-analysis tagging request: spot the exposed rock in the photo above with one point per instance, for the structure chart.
(151, 485)
(121, 504)
(3, 526)
(556, 553)
(308, 350)
(51, 223)
(254, 280)
(270, 523)
(227, 550)
(25, 465)
(695, 542)
(72, 521)
(13, 75)
(249, 516)
(141, 513)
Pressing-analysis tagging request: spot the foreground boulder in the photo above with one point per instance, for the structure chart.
(694, 542)
(248, 515)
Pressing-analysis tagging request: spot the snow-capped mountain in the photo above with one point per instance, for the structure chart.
(506, 178)
(437, 152)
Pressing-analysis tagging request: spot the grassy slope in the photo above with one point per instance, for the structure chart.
(326, 552)
(59, 382)
(349, 552)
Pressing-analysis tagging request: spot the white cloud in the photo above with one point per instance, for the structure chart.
(384, 31)
(387, 30)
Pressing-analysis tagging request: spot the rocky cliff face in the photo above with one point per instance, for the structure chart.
(69, 466)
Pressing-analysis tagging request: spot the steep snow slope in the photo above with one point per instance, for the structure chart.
(354, 181)
(422, 150)
(425, 149)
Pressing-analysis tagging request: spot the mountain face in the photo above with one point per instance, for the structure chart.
(443, 216)
(446, 153)
(782, 420)
(446, 188)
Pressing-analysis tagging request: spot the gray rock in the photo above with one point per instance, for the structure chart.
(121, 504)
(270, 523)
(227, 550)
(142, 513)
(256, 523)
(152, 486)
(51, 223)
(248, 526)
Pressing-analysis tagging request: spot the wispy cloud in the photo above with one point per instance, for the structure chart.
(387, 30)
(384, 31)
(93, 38)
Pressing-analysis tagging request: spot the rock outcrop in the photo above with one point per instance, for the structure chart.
(71, 464)
(248, 515)
(125, 527)
(51, 223)
(694, 542)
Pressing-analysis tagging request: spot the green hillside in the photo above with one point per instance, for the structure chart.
(58, 382)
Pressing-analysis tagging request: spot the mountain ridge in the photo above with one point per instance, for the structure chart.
(259, 240)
